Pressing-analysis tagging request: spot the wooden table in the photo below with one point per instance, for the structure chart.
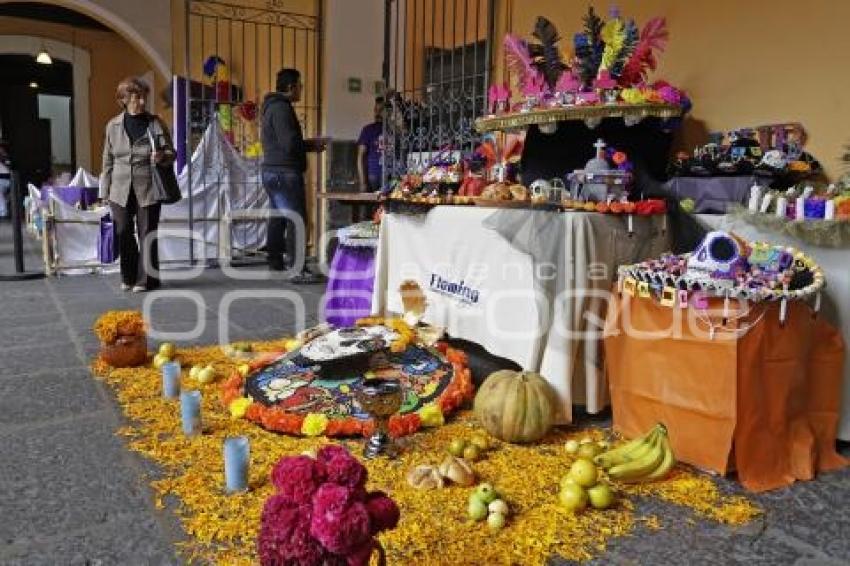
(351, 198)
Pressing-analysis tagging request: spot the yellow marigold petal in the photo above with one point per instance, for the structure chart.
(223, 529)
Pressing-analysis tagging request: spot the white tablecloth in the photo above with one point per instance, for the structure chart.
(835, 303)
(533, 308)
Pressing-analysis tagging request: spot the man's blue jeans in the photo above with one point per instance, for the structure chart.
(286, 192)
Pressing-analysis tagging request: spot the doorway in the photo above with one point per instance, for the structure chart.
(36, 113)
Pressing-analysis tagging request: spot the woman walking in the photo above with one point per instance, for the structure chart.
(127, 182)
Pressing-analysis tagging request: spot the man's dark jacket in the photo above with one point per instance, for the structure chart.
(283, 142)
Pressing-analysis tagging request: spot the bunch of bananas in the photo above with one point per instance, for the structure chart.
(646, 458)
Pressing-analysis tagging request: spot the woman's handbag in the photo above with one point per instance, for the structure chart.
(164, 180)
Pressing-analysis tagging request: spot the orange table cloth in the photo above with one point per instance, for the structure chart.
(759, 397)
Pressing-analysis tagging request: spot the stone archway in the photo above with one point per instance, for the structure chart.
(81, 60)
(152, 17)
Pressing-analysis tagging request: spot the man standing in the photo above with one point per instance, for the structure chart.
(283, 166)
(370, 151)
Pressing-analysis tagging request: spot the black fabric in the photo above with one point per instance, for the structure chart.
(281, 136)
(164, 180)
(548, 156)
(126, 219)
(136, 125)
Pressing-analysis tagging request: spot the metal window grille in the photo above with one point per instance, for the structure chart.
(437, 63)
(254, 43)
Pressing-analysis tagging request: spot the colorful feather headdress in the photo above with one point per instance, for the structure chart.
(613, 50)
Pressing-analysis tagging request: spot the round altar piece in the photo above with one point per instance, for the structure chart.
(293, 394)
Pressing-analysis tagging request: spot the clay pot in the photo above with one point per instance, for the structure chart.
(126, 351)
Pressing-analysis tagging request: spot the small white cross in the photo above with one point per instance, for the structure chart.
(599, 145)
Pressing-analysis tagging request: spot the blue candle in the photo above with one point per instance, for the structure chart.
(815, 208)
(171, 380)
(190, 412)
(237, 455)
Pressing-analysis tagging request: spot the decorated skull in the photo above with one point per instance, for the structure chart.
(719, 256)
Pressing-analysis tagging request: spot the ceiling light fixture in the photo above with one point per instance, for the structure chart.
(43, 57)
(33, 84)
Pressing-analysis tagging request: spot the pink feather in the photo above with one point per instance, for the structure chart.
(567, 82)
(535, 86)
(653, 38)
(518, 59)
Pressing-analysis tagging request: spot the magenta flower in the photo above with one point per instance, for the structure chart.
(322, 513)
(285, 535)
(343, 531)
(330, 451)
(360, 556)
(333, 498)
(383, 512)
(297, 478)
(341, 467)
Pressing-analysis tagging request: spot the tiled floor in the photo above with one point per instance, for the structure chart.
(71, 493)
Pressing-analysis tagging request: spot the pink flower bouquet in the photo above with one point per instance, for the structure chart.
(322, 513)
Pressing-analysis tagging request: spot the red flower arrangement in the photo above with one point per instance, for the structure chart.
(321, 513)
(459, 390)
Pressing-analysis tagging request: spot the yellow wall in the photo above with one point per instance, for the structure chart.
(112, 59)
(742, 63)
(430, 23)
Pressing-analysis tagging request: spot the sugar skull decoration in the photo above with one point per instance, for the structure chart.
(720, 256)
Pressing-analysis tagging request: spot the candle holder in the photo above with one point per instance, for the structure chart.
(171, 380)
(190, 412)
(381, 398)
(237, 456)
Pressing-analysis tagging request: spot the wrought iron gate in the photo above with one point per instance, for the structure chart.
(437, 64)
(233, 52)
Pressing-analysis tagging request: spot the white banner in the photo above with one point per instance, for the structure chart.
(478, 286)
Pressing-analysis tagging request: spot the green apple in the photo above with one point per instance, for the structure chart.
(499, 506)
(567, 479)
(486, 493)
(477, 509)
(456, 447)
(471, 453)
(601, 496)
(159, 360)
(167, 350)
(571, 446)
(496, 521)
(588, 450)
(573, 497)
(584, 472)
(207, 375)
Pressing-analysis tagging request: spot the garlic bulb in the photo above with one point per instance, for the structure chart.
(458, 471)
(425, 477)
